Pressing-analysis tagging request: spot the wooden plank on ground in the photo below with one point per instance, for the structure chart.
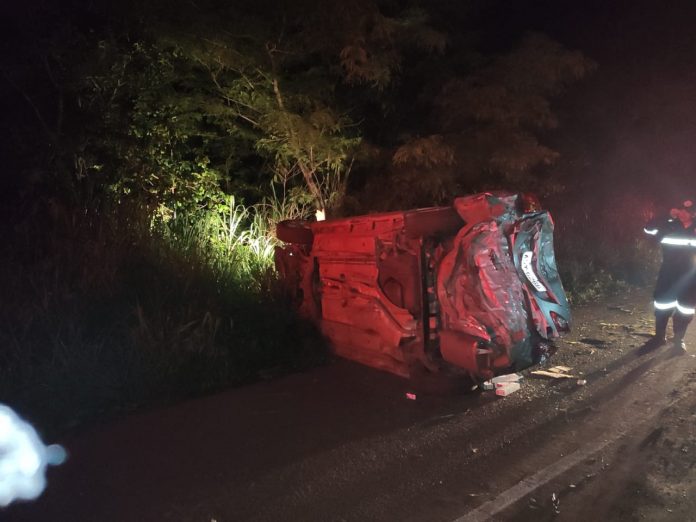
(553, 375)
(560, 369)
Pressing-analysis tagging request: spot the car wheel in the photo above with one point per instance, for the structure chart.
(295, 231)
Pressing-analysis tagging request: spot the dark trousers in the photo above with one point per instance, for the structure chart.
(680, 323)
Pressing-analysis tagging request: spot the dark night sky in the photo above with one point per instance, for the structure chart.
(630, 126)
(634, 121)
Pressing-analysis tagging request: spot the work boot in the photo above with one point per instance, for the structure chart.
(657, 340)
(661, 320)
(679, 326)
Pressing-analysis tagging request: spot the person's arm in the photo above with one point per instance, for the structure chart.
(23, 459)
(654, 226)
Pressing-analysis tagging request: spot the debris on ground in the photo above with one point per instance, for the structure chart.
(581, 382)
(503, 389)
(582, 347)
(553, 375)
(510, 377)
(495, 382)
(556, 372)
(560, 369)
(620, 309)
(556, 503)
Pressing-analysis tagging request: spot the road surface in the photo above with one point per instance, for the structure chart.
(344, 442)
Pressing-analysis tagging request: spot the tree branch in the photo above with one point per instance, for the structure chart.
(270, 48)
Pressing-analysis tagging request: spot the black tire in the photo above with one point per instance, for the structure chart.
(295, 231)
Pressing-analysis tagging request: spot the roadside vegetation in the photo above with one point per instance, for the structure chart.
(102, 313)
(600, 245)
(154, 148)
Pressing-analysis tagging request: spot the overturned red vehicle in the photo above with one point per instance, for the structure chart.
(471, 289)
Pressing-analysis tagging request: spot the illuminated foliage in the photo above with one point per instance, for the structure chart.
(213, 99)
(178, 104)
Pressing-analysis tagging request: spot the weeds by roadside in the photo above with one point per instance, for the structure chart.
(104, 312)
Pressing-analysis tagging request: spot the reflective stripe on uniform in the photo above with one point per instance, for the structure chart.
(651, 231)
(686, 310)
(665, 306)
(678, 241)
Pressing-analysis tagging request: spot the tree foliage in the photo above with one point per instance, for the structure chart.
(482, 128)
(216, 98)
(178, 104)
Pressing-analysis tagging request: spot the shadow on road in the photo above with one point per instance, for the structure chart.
(155, 456)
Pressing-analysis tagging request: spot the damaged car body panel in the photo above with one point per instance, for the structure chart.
(470, 289)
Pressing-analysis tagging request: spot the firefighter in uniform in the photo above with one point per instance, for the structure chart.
(675, 290)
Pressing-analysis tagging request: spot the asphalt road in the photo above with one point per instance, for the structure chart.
(344, 442)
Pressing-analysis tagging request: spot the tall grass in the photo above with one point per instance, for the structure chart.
(233, 241)
(103, 311)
